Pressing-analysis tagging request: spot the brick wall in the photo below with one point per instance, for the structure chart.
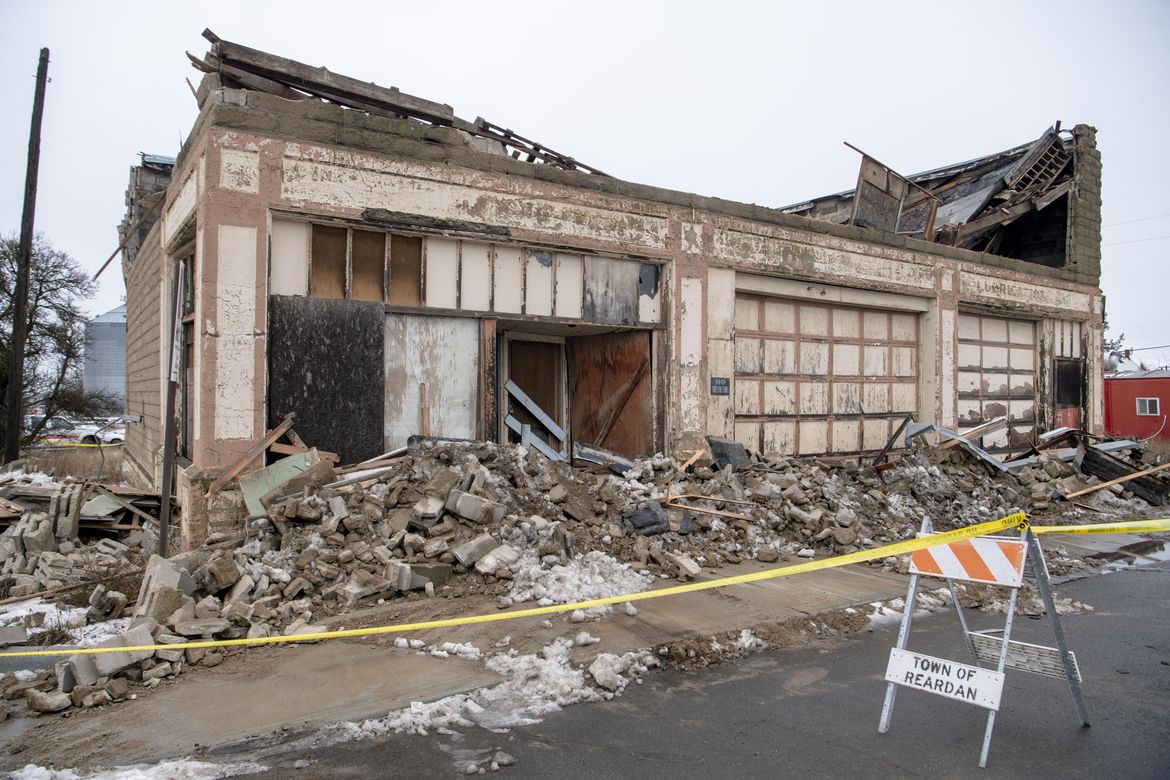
(1084, 223)
(143, 384)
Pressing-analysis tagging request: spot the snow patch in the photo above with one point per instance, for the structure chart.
(166, 770)
(593, 575)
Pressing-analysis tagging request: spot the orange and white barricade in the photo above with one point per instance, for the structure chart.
(992, 560)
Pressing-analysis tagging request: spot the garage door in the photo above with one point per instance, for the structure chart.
(819, 378)
(997, 377)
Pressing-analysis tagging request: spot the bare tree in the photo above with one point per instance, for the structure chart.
(56, 329)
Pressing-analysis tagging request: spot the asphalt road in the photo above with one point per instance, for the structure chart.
(815, 712)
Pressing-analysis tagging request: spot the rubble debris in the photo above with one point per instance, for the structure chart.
(454, 518)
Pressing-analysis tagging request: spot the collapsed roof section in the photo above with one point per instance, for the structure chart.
(242, 67)
(1012, 203)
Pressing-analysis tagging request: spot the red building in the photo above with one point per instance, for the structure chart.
(1137, 403)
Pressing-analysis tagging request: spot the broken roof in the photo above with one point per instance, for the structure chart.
(964, 204)
(239, 66)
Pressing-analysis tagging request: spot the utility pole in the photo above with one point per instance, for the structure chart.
(12, 423)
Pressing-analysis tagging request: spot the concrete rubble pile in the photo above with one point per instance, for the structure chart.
(471, 518)
(42, 550)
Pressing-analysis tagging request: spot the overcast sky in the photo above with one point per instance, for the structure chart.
(744, 101)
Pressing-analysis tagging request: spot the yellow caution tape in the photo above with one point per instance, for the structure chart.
(1129, 527)
(52, 445)
(1018, 520)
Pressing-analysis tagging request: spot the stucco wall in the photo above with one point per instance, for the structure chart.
(255, 154)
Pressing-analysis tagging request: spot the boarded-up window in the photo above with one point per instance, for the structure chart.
(369, 264)
(405, 270)
(327, 277)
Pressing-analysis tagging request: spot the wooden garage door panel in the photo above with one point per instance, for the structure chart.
(997, 377)
(814, 378)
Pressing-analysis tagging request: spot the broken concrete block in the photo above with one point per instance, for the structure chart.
(474, 508)
(242, 589)
(160, 573)
(13, 635)
(435, 547)
(183, 613)
(157, 672)
(118, 689)
(434, 573)
(470, 552)
(428, 506)
(80, 670)
(500, 558)
(164, 602)
(96, 699)
(295, 588)
(206, 607)
(397, 574)
(108, 664)
(204, 627)
(338, 508)
(37, 533)
(294, 629)
(222, 573)
(686, 566)
(47, 702)
(78, 694)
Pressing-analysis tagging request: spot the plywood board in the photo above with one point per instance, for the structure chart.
(538, 282)
(325, 365)
(475, 276)
(611, 290)
(288, 272)
(570, 285)
(508, 281)
(368, 265)
(442, 280)
(405, 271)
(604, 374)
(441, 352)
(327, 279)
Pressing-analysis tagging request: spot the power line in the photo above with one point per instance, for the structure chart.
(1136, 241)
(1142, 219)
(1140, 349)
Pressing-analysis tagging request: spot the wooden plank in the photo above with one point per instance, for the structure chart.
(124, 504)
(373, 464)
(280, 448)
(295, 439)
(1118, 481)
(320, 472)
(618, 404)
(600, 369)
(255, 451)
(424, 410)
(522, 398)
(310, 79)
(991, 426)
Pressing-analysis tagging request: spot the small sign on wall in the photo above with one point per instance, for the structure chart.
(720, 385)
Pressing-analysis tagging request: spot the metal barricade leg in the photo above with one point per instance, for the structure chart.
(1003, 654)
(1041, 571)
(903, 637)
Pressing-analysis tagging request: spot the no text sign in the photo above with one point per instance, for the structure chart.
(971, 684)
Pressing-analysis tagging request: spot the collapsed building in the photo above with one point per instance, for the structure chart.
(373, 264)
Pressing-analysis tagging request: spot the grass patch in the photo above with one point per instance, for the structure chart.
(53, 635)
(103, 464)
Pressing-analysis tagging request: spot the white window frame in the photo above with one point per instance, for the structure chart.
(1148, 403)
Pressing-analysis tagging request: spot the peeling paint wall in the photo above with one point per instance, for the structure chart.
(531, 243)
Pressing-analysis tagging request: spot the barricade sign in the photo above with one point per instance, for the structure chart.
(994, 561)
(981, 687)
